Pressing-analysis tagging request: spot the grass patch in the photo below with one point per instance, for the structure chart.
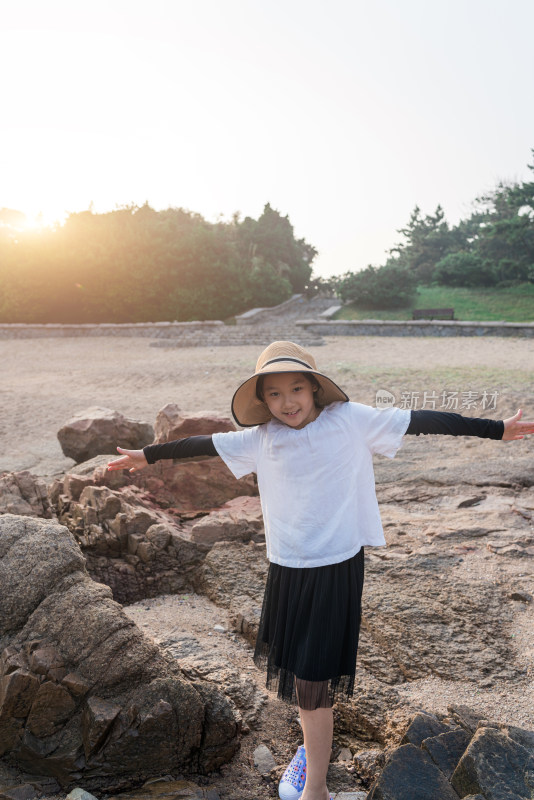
(515, 304)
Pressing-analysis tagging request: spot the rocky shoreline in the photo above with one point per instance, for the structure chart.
(95, 694)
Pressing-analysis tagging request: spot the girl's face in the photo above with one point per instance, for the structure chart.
(290, 398)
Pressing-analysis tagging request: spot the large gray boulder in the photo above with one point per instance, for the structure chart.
(98, 430)
(83, 692)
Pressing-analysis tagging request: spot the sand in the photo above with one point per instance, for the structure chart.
(46, 381)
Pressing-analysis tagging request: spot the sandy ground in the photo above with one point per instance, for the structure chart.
(46, 381)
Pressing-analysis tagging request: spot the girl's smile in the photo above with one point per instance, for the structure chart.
(290, 397)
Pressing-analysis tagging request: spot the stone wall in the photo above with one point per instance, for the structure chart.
(304, 331)
(423, 327)
(158, 330)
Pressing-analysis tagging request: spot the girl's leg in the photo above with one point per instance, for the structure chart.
(317, 720)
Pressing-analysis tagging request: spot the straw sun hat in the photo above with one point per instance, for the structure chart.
(249, 410)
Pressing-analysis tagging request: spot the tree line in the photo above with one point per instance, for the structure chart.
(135, 264)
(493, 247)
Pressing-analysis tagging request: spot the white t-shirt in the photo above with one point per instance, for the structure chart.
(317, 484)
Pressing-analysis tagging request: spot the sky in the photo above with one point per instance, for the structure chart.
(344, 114)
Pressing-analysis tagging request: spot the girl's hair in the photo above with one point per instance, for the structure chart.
(310, 378)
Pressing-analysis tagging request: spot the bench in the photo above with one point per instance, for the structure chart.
(433, 313)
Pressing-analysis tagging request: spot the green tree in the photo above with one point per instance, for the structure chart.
(271, 237)
(389, 286)
(427, 240)
(464, 269)
(135, 264)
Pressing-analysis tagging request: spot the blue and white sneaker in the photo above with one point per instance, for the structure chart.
(292, 784)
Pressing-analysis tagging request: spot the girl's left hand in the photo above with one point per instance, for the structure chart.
(514, 429)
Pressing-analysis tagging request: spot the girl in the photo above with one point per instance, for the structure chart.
(312, 449)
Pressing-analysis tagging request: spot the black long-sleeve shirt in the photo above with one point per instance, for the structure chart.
(421, 422)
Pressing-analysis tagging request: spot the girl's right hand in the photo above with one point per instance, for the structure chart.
(132, 460)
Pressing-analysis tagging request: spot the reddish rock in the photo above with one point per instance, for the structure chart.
(238, 520)
(99, 430)
(193, 485)
(171, 424)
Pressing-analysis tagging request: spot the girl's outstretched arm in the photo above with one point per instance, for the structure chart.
(451, 424)
(189, 447)
(132, 460)
(515, 429)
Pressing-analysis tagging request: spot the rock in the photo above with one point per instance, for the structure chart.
(410, 774)
(80, 794)
(446, 749)
(83, 693)
(465, 717)
(171, 424)
(366, 714)
(190, 485)
(344, 754)
(233, 573)
(456, 633)
(24, 791)
(18, 690)
(138, 552)
(98, 430)
(24, 493)
(51, 707)
(197, 660)
(350, 796)
(183, 487)
(495, 766)
(519, 735)
(97, 719)
(168, 790)
(522, 597)
(423, 726)
(239, 519)
(245, 615)
(263, 760)
(368, 764)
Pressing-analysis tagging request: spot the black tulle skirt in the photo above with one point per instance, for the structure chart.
(309, 629)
